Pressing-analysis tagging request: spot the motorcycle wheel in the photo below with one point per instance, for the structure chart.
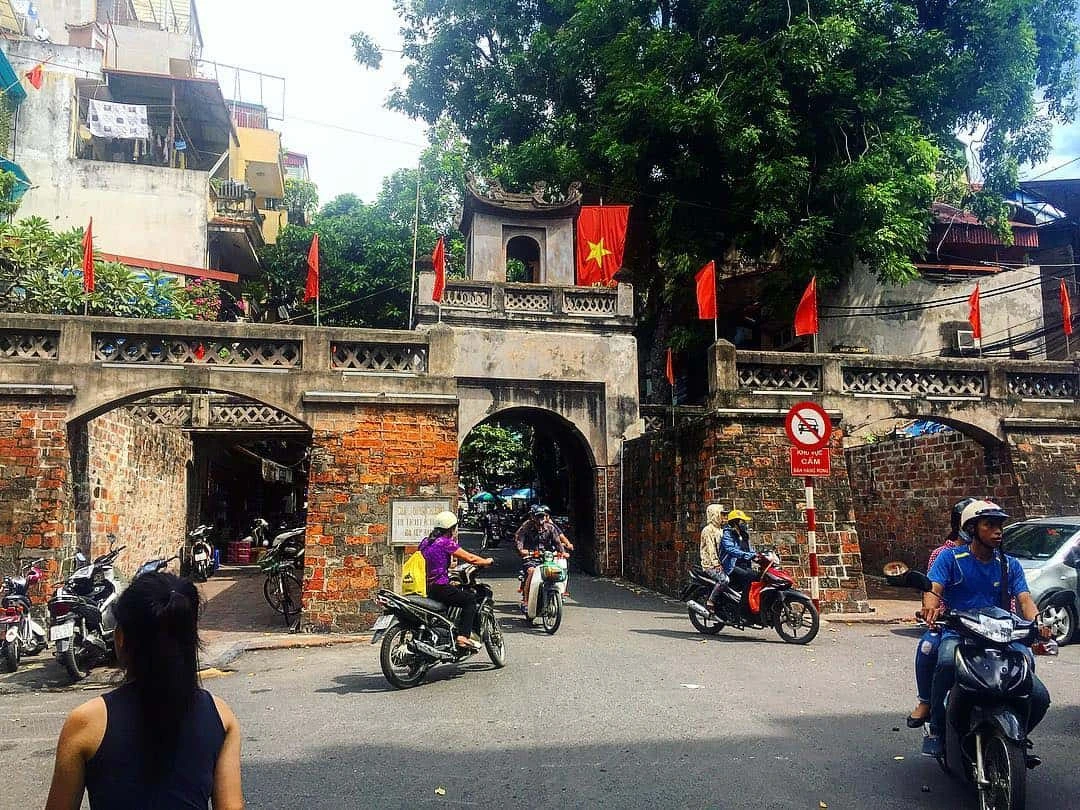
(710, 625)
(552, 613)
(492, 635)
(1006, 770)
(401, 667)
(792, 618)
(12, 654)
(70, 661)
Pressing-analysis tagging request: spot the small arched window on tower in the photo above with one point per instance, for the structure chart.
(523, 260)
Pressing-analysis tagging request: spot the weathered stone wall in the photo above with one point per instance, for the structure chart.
(904, 490)
(605, 552)
(131, 480)
(1047, 469)
(35, 484)
(670, 477)
(362, 457)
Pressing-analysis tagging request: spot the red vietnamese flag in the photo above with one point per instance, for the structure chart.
(311, 288)
(1066, 308)
(438, 261)
(705, 280)
(975, 314)
(601, 240)
(806, 320)
(36, 76)
(88, 257)
(669, 371)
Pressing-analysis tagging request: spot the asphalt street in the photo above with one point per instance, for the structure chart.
(626, 706)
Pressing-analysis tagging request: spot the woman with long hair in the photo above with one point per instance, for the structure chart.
(158, 741)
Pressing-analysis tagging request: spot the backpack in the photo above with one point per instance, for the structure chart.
(414, 576)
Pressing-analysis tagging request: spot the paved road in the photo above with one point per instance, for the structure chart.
(625, 707)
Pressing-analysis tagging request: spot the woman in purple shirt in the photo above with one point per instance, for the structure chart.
(438, 549)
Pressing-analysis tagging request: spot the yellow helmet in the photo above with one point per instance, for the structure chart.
(738, 514)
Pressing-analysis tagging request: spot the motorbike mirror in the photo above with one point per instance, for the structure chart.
(895, 569)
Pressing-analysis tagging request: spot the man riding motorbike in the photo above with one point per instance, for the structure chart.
(709, 552)
(438, 549)
(736, 554)
(538, 533)
(969, 578)
(927, 650)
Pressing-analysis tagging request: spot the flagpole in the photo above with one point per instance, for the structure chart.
(415, 237)
(317, 296)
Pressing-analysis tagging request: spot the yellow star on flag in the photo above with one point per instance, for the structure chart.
(597, 252)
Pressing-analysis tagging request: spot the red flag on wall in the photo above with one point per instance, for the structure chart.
(669, 371)
(36, 76)
(601, 240)
(975, 314)
(438, 261)
(806, 320)
(1066, 308)
(705, 280)
(88, 257)
(311, 288)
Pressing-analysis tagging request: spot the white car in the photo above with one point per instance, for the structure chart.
(1048, 549)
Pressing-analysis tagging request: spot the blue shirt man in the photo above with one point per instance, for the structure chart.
(970, 584)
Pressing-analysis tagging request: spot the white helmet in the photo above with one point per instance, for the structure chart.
(980, 509)
(445, 520)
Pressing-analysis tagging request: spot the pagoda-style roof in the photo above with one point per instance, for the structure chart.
(489, 197)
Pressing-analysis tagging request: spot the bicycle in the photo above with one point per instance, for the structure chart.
(283, 589)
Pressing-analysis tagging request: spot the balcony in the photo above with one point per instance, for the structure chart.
(235, 230)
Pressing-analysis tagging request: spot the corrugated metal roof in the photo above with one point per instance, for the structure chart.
(8, 20)
(172, 15)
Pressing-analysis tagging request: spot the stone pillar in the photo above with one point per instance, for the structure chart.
(723, 376)
(36, 515)
(363, 456)
(607, 550)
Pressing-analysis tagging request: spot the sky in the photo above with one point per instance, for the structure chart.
(325, 91)
(335, 110)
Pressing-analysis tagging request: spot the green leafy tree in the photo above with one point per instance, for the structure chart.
(809, 136)
(301, 195)
(493, 455)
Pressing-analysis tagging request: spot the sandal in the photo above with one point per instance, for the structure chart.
(918, 722)
(469, 644)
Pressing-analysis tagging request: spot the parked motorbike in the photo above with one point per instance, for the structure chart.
(546, 591)
(19, 633)
(197, 559)
(773, 602)
(417, 633)
(260, 534)
(988, 707)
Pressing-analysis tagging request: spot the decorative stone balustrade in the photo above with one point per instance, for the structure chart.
(380, 357)
(28, 345)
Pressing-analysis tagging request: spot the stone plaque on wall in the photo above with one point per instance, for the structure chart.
(411, 519)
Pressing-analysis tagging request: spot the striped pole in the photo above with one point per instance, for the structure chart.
(811, 538)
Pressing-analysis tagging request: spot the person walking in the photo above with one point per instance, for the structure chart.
(159, 740)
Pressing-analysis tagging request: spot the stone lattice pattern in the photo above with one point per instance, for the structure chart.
(380, 357)
(600, 303)
(763, 377)
(467, 298)
(676, 473)
(167, 415)
(184, 350)
(913, 382)
(29, 345)
(529, 300)
(1044, 386)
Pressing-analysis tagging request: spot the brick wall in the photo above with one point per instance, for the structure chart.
(131, 480)
(1047, 468)
(672, 475)
(35, 487)
(904, 490)
(605, 551)
(362, 457)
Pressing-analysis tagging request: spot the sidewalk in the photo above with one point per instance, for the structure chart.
(889, 606)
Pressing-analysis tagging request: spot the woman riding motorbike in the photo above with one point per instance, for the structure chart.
(438, 550)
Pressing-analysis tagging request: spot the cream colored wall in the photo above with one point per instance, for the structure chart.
(262, 146)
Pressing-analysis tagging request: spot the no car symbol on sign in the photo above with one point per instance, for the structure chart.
(808, 426)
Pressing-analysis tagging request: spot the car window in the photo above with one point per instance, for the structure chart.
(1036, 541)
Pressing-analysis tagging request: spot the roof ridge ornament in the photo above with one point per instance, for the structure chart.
(542, 196)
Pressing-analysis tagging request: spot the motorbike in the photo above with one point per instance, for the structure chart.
(546, 591)
(197, 559)
(773, 602)
(260, 534)
(988, 706)
(19, 633)
(417, 633)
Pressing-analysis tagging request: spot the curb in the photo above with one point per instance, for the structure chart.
(231, 653)
(864, 618)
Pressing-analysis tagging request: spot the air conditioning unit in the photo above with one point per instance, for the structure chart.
(965, 341)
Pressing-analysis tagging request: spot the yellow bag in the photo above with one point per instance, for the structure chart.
(414, 576)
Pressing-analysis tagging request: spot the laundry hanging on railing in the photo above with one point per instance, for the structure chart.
(107, 119)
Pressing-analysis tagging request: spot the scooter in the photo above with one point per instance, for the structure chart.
(197, 558)
(773, 602)
(417, 633)
(546, 590)
(19, 633)
(988, 707)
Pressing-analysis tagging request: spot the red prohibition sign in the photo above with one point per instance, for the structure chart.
(808, 426)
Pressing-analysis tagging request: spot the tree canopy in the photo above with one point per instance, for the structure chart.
(810, 136)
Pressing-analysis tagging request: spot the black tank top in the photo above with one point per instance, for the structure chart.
(115, 775)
